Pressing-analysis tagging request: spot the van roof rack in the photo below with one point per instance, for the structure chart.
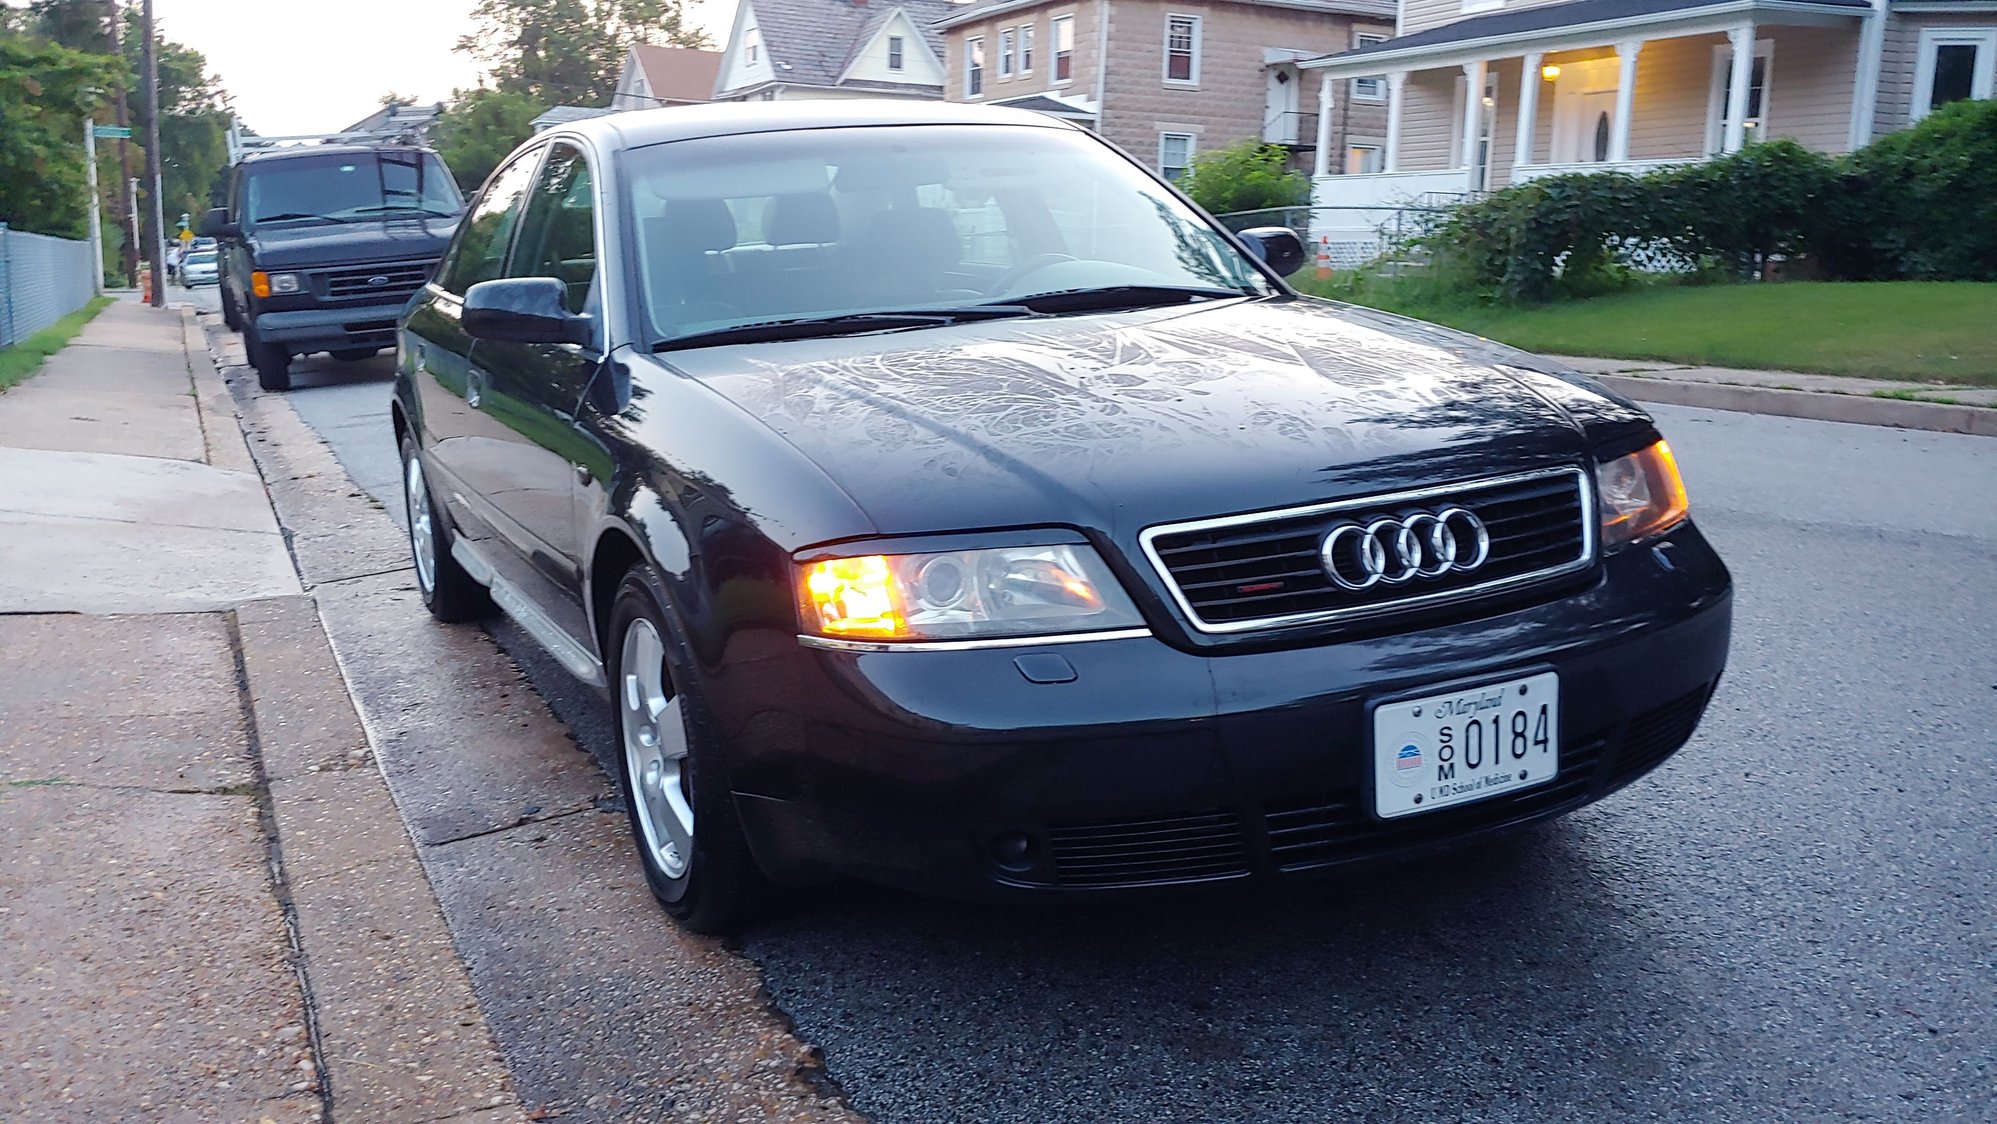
(242, 144)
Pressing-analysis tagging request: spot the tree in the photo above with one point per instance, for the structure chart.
(570, 52)
(479, 127)
(194, 122)
(1246, 176)
(80, 25)
(45, 91)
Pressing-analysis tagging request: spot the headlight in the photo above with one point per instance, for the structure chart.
(963, 594)
(1641, 495)
(264, 284)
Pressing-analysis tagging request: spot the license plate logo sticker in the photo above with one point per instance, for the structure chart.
(1410, 763)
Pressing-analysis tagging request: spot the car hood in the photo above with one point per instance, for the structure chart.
(1121, 421)
(308, 246)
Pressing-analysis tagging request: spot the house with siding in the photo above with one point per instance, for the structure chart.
(1481, 94)
(781, 50)
(1166, 80)
(654, 77)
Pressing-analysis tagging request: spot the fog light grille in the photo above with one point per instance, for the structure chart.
(1139, 852)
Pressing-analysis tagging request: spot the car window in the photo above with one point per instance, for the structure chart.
(558, 234)
(480, 254)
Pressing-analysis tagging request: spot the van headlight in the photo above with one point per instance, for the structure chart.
(1008, 591)
(1641, 495)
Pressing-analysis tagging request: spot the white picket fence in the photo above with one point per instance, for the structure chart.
(42, 280)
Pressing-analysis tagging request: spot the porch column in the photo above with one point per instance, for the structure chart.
(1528, 111)
(1626, 53)
(1740, 75)
(1473, 112)
(1397, 84)
(1321, 159)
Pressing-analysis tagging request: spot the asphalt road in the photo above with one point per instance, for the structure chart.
(1791, 920)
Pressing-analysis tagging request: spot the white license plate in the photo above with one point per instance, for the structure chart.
(1464, 746)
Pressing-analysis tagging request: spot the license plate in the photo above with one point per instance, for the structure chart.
(1465, 746)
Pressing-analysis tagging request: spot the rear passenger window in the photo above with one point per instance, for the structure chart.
(558, 236)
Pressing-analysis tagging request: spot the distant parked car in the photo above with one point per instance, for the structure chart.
(941, 499)
(199, 268)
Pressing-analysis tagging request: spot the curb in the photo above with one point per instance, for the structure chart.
(1935, 417)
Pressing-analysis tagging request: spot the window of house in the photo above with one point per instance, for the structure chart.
(1175, 154)
(1182, 49)
(1482, 5)
(1026, 49)
(752, 45)
(1063, 28)
(894, 52)
(1954, 63)
(1755, 120)
(1362, 159)
(1007, 39)
(1369, 89)
(974, 66)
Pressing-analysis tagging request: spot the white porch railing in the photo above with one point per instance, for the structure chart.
(1527, 172)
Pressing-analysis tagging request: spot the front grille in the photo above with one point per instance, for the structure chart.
(1139, 852)
(1258, 570)
(1657, 734)
(1335, 827)
(375, 282)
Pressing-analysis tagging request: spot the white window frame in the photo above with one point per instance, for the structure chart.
(1007, 37)
(1374, 145)
(974, 67)
(1165, 71)
(897, 52)
(1192, 146)
(1372, 89)
(1472, 6)
(1025, 49)
(1055, 26)
(1982, 81)
(752, 43)
(1716, 95)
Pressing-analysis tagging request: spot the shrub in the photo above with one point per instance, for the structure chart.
(1921, 202)
(1246, 176)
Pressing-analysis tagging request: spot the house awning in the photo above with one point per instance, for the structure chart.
(1578, 23)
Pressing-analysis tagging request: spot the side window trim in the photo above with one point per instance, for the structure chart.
(449, 263)
(598, 299)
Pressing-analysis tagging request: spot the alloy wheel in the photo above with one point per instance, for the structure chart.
(655, 749)
(422, 535)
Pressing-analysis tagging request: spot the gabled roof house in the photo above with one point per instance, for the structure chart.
(660, 76)
(1486, 93)
(786, 49)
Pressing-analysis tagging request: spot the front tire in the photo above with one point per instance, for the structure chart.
(683, 817)
(231, 318)
(449, 592)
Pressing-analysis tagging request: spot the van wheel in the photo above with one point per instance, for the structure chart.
(272, 361)
(230, 317)
(683, 817)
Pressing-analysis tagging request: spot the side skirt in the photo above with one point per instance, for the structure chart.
(574, 657)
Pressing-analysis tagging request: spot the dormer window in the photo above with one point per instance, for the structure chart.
(752, 46)
(894, 52)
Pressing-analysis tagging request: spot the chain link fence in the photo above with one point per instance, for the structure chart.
(1348, 238)
(42, 280)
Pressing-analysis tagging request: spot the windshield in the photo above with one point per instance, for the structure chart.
(749, 229)
(345, 187)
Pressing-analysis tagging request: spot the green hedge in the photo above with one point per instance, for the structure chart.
(1921, 203)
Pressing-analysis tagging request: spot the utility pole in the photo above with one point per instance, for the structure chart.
(156, 249)
(96, 205)
(126, 215)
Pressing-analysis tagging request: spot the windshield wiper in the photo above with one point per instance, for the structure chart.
(404, 207)
(844, 324)
(1109, 297)
(289, 216)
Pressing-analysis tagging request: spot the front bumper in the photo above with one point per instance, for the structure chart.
(331, 329)
(1158, 766)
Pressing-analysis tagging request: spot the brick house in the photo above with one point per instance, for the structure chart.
(1167, 80)
(1586, 85)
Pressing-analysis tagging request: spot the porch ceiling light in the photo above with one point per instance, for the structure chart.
(1549, 72)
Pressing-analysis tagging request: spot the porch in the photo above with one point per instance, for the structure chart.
(1586, 86)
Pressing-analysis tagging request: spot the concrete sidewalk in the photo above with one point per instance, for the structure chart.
(1903, 405)
(209, 907)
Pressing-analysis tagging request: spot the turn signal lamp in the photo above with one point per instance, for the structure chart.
(264, 284)
(1641, 495)
(853, 597)
(993, 593)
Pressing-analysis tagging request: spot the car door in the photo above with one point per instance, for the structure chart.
(531, 391)
(439, 352)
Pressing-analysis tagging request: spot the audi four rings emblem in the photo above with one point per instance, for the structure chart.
(1426, 544)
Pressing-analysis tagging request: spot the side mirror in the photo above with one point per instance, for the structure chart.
(215, 224)
(524, 310)
(1278, 247)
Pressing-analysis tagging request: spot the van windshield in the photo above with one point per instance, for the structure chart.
(349, 187)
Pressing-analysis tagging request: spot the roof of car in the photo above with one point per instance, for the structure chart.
(643, 127)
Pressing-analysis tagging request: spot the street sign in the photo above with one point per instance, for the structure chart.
(112, 132)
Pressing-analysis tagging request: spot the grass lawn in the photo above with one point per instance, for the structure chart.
(1923, 331)
(25, 358)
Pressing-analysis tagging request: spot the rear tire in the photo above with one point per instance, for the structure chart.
(683, 819)
(450, 593)
(272, 361)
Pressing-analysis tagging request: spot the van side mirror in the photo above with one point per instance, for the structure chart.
(215, 224)
(524, 310)
(1278, 247)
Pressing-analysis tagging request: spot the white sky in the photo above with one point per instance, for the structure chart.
(316, 66)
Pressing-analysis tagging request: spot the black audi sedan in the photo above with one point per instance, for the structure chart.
(940, 499)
